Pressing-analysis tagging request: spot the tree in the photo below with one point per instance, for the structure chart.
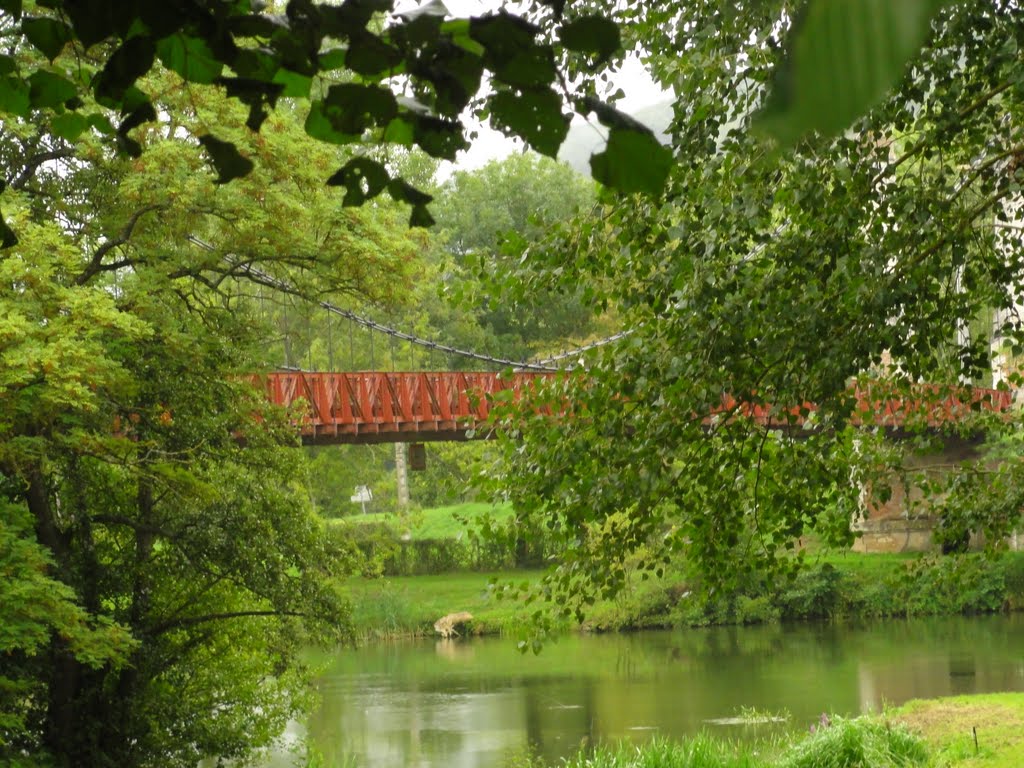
(162, 562)
(773, 279)
(167, 547)
(491, 217)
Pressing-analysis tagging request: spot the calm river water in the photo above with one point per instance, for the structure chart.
(469, 704)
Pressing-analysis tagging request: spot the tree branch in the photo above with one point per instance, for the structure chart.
(191, 621)
(96, 265)
(974, 106)
(32, 165)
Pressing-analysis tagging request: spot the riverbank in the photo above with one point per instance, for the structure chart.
(844, 586)
(983, 731)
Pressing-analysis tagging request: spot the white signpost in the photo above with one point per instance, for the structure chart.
(362, 495)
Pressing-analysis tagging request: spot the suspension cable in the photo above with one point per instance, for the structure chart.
(373, 325)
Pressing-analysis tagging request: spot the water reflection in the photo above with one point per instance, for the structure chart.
(471, 703)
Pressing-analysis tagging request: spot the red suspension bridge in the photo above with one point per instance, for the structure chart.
(378, 407)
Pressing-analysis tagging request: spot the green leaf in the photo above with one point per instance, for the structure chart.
(318, 125)
(101, 123)
(7, 65)
(255, 25)
(69, 125)
(14, 96)
(362, 178)
(226, 159)
(11, 7)
(633, 161)
(48, 35)
(47, 90)
(399, 131)
(296, 86)
(190, 57)
(340, 20)
(143, 113)
(404, 192)
(332, 59)
(370, 56)
(91, 19)
(437, 137)
(126, 65)
(458, 30)
(595, 35)
(513, 54)
(351, 108)
(536, 115)
(842, 57)
(254, 65)
(7, 237)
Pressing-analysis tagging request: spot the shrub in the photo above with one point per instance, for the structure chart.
(756, 610)
(376, 543)
(861, 743)
(950, 585)
(1013, 575)
(813, 594)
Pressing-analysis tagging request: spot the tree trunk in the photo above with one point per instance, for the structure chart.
(60, 729)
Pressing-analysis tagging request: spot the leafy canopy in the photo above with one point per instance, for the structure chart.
(368, 75)
(372, 76)
(779, 279)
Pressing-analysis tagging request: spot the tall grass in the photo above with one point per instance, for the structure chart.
(698, 752)
(861, 743)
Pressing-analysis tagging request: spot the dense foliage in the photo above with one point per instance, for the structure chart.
(778, 279)
(363, 73)
(162, 562)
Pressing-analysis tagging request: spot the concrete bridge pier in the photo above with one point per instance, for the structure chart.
(905, 521)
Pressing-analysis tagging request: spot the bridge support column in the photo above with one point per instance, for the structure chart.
(402, 475)
(905, 521)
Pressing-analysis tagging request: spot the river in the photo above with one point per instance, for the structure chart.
(473, 703)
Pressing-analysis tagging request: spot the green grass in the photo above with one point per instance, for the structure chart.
(865, 742)
(869, 585)
(866, 564)
(439, 522)
(699, 752)
(948, 726)
(933, 733)
(409, 605)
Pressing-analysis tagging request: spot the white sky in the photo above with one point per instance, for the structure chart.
(640, 89)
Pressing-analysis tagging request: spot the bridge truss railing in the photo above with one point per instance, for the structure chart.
(376, 407)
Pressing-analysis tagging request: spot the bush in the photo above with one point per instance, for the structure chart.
(1013, 575)
(379, 549)
(861, 743)
(814, 594)
(376, 545)
(951, 585)
(756, 610)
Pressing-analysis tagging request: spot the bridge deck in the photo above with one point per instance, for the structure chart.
(379, 407)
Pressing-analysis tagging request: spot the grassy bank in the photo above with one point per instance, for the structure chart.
(834, 587)
(409, 605)
(949, 725)
(436, 523)
(937, 733)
